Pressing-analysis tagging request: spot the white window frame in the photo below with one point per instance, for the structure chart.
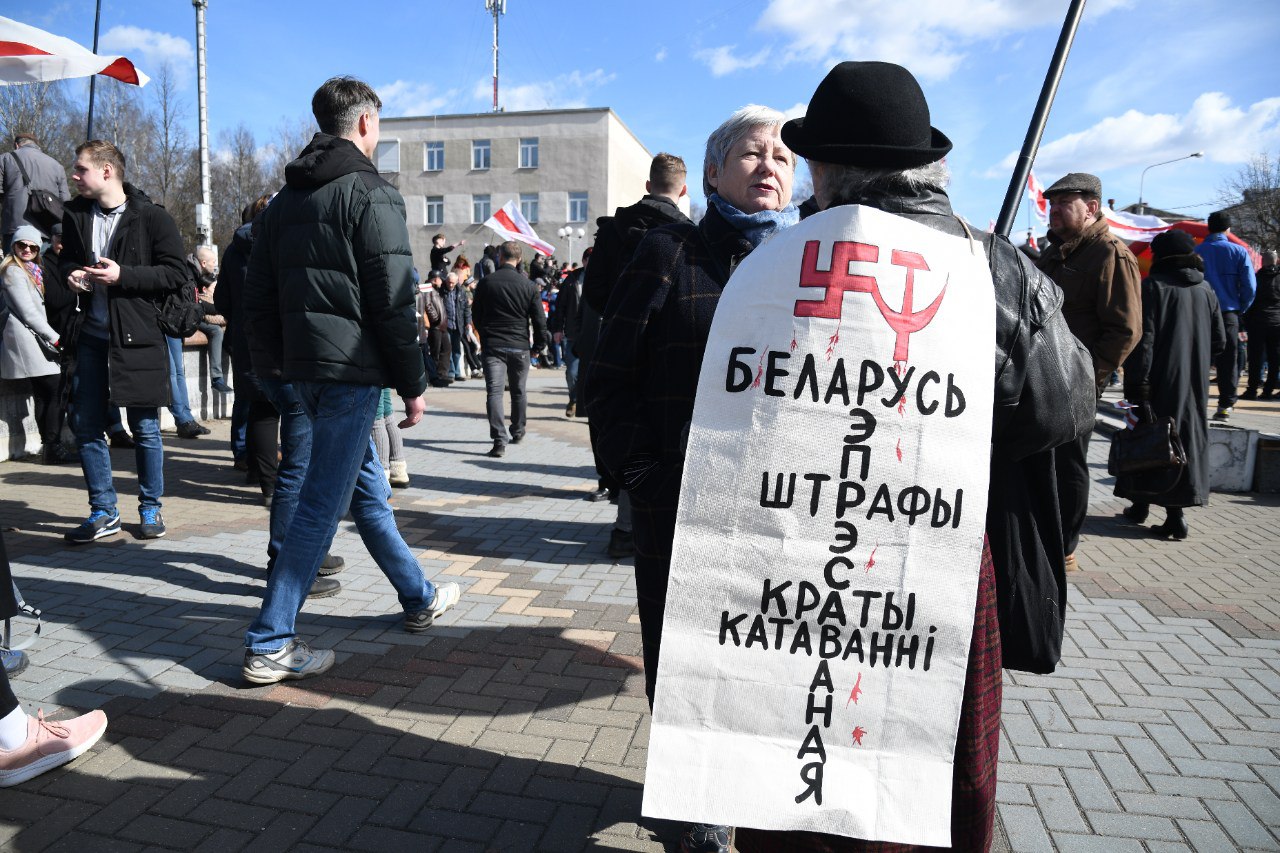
(428, 204)
(392, 144)
(478, 199)
(529, 207)
(574, 199)
(529, 152)
(428, 148)
(481, 155)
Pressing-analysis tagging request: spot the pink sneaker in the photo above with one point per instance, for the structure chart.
(49, 745)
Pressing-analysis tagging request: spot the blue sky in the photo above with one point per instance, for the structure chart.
(1147, 81)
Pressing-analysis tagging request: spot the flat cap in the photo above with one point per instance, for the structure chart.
(1076, 182)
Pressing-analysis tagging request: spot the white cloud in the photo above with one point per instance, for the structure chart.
(931, 37)
(661, 55)
(1224, 132)
(797, 111)
(721, 60)
(409, 98)
(149, 50)
(567, 91)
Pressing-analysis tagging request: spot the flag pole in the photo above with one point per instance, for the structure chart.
(1009, 210)
(93, 81)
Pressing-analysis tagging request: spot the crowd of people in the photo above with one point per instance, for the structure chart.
(326, 326)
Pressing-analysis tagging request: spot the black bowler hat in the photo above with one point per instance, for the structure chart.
(868, 114)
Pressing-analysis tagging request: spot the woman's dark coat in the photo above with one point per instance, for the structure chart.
(1169, 372)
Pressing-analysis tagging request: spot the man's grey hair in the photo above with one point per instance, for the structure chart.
(339, 103)
(510, 251)
(738, 125)
(834, 182)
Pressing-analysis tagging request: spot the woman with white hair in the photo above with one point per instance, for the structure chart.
(27, 336)
(642, 380)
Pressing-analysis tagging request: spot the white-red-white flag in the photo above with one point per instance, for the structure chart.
(29, 55)
(1133, 227)
(511, 224)
(1039, 203)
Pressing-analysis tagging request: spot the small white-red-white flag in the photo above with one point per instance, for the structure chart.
(29, 55)
(511, 224)
(1039, 203)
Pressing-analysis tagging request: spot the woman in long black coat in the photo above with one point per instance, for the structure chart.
(1168, 373)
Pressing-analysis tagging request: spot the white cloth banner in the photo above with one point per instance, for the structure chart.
(829, 536)
(1133, 227)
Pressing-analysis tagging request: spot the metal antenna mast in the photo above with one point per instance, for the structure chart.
(204, 210)
(496, 8)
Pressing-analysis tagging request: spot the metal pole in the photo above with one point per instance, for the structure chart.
(204, 219)
(93, 81)
(1038, 119)
(497, 7)
(1142, 205)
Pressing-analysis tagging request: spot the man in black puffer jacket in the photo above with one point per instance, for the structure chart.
(330, 308)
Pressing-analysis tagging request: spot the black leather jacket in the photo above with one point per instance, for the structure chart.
(1044, 393)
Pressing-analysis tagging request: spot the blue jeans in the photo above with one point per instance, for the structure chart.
(503, 365)
(240, 414)
(295, 456)
(570, 369)
(181, 406)
(89, 423)
(455, 353)
(343, 472)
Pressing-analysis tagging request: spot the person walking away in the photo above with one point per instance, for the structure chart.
(1229, 271)
(25, 169)
(1168, 374)
(336, 360)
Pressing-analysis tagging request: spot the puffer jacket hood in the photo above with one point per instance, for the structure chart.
(326, 158)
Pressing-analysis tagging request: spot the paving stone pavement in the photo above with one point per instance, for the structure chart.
(519, 722)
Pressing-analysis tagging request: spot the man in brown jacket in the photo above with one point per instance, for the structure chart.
(1102, 304)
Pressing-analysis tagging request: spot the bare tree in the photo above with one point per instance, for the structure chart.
(48, 110)
(1252, 195)
(291, 136)
(237, 179)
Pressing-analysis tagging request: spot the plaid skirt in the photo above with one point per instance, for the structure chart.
(973, 796)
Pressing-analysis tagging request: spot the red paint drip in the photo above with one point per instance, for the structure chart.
(901, 368)
(759, 371)
(834, 339)
(793, 343)
(898, 450)
(871, 561)
(855, 692)
(858, 733)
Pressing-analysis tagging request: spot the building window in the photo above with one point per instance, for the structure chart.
(479, 154)
(435, 210)
(529, 153)
(480, 209)
(387, 157)
(577, 207)
(433, 156)
(529, 206)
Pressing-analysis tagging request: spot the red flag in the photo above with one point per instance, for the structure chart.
(1039, 203)
(29, 55)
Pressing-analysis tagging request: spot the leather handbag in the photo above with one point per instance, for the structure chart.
(1152, 445)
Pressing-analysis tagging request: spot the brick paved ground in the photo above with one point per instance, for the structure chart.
(519, 722)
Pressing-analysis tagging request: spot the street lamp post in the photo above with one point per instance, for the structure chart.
(1142, 205)
(571, 233)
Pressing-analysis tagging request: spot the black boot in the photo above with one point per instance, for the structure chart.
(1136, 512)
(1174, 527)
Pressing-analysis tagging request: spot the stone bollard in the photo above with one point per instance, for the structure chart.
(1233, 453)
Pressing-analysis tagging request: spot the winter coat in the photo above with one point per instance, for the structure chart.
(20, 354)
(457, 308)
(45, 172)
(506, 304)
(148, 248)
(1099, 278)
(569, 304)
(1229, 271)
(329, 295)
(617, 238)
(1264, 313)
(228, 296)
(1182, 332)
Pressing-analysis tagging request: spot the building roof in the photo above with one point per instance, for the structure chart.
(519, 114)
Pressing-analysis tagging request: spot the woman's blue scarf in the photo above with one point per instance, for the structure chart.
(756, 227)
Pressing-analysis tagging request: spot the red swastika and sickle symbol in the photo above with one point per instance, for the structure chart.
(837, 281)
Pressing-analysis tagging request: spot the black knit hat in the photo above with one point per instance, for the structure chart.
(1172, 242)
(868, 114)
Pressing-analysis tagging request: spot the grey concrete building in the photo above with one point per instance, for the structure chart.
(561, 167)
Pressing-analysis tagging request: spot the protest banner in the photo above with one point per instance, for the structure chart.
(829, 536)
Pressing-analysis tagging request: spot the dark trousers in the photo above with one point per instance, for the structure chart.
(442, 350)
(1264, 346)
(1071, 461)
(503, 366)
(44, 390)
(654, 529)
(1228, 362)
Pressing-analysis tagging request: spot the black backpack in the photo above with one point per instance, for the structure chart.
(180, 313)
(44, 209)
